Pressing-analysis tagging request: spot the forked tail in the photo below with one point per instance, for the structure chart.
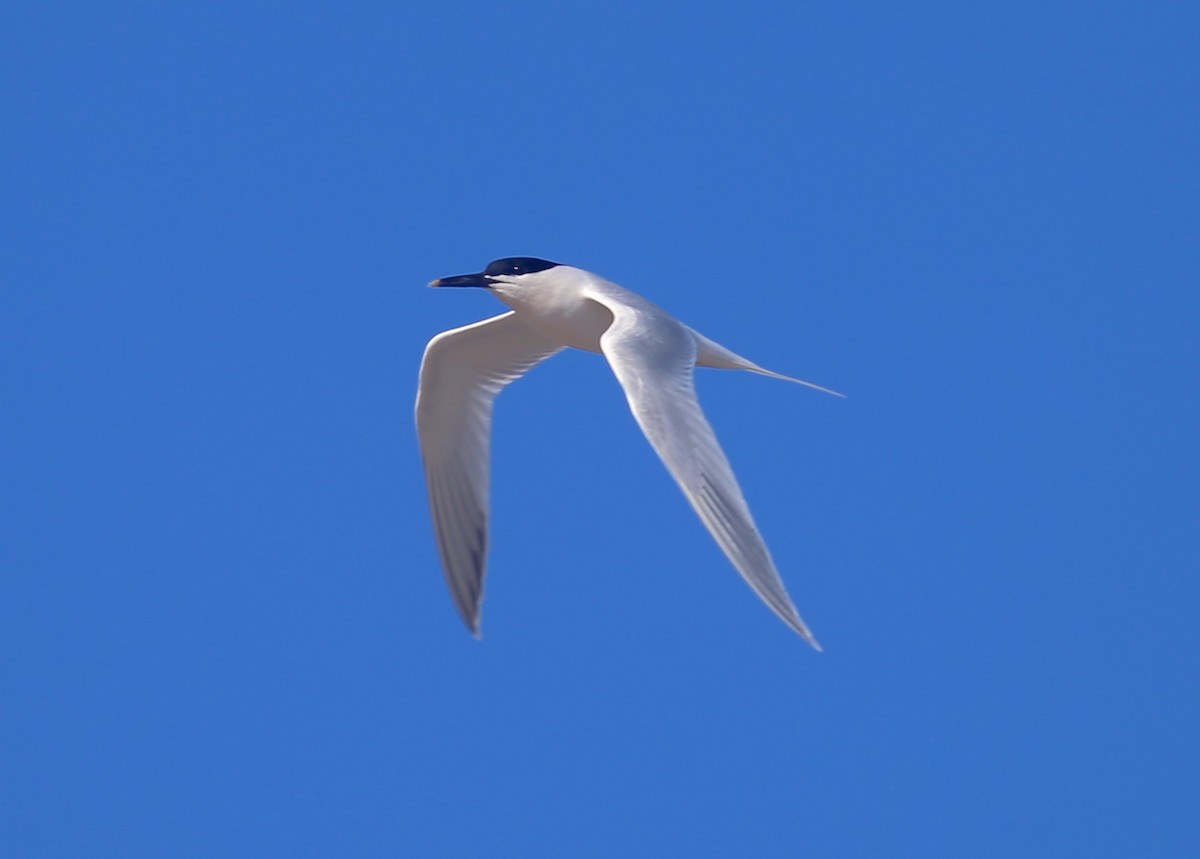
(754, 368)
(710, 354)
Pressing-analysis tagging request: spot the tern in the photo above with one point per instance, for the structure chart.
(653, 356)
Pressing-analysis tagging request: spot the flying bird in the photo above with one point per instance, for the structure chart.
(652, 354)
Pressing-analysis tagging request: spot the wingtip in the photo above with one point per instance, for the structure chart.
(472, 624)
(811, 640)
(803, 631)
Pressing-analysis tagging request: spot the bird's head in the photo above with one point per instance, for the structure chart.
(505, 275)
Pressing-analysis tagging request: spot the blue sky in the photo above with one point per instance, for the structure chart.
(223, 631)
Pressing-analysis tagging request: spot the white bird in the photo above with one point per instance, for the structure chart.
(652, 355)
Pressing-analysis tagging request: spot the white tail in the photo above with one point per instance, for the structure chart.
(710, 354)
(754, 368)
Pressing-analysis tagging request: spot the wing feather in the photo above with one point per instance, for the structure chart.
(653, 358)
(461, 374)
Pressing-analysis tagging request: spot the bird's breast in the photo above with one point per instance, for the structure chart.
(576, 322)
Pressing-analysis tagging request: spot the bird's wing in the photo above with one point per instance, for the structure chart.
(462, 372)
(653, 357)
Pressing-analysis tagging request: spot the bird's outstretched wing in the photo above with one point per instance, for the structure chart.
(462, 372)
(653, 357)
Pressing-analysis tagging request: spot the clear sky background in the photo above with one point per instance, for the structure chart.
(223, 629)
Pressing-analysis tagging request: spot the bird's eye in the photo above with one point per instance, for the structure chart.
(517, 265)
